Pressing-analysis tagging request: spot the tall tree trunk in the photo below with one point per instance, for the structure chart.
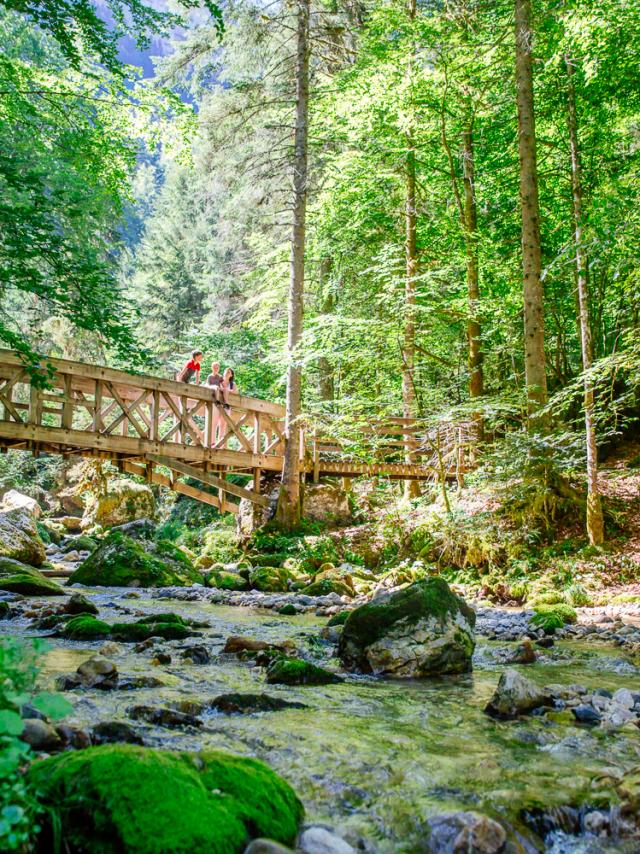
(411, 487)
(534, 357)
(289, 509)
(595, 520)
(326, 385)
(476, 378)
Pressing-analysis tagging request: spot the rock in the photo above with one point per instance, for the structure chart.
(98, 672)
(71, 523)
(16, 577)
(19, 537)
(288, 610)
(29, 711)
(74, 737)
(238, 643)
(270, 579)
(160, 716)
(161, 658)
(422, 630)
(223, 580)
(164, 626)
(321, 840)
(110, 648)
(623, 697)
(585, 714)
(79, 604)
(85, 627)
(327, 503)
(465, 833)
(295, 671)
(523, 653)
(40, 735)
(5, 611)
(115, 732)
(14, 500)
(83, 543)
(121, 797)
(266, 846)
(516, 695)
(230, 704)
(326, 586)
(121, 561)
(125, 501)
(545, 642)
(198, 654)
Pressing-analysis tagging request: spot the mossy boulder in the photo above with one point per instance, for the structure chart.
(16, 577)
(224, 580)
(19, 537)
(422, 630)
(85, 627)
(552, 617)
(121, 797)
(326, 586)
(140, 631)
(270, 579)
(339, 619)
(81, 543)
(122, 561)
(295, 671)
(124, 501)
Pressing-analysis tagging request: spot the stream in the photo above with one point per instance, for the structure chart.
(373, 759)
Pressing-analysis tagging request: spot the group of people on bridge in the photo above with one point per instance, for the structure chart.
(220, 385)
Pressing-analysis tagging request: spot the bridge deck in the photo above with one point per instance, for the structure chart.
(147, 425)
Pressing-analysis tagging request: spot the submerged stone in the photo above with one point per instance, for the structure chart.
(160, 716)
(85, 627)
(118, 798)
(455, 833)
(115, 732)
(422, 630)
(231, 704)
(516, 695)
(79, 604)
(296, 671)
(122, 561)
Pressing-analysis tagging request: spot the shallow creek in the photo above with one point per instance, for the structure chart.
(374, 759)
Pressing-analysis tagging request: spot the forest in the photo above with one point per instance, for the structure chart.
(410, 229)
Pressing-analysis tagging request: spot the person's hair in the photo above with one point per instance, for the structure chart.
(196, 353)
(213, 364)
(230, 371)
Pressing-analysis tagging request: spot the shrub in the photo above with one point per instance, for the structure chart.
(551, 617)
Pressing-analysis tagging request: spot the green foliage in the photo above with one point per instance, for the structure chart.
(18, 671)
(550, 617)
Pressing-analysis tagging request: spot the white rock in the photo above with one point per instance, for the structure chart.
(320, 840)
(623, 697)
(14, 500)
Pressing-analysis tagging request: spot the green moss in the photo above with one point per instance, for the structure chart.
(135, 632)
(274, 560)
(85, 627)
(550, 617)
(295, 671)
(326, 586)
(270, 579)
(167, 617)
(224, 580)
(126, 798)
(339, 619)
(45, 536)
(429, 597)
(121, 561)
(83, 543)
(288, 610)
(30, 584)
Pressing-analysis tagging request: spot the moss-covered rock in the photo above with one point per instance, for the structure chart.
(123, 797)
(19, 537)
(124, 501)
(339, 619)
(224, 580)
(326, 586)
(136, 632)
(270, 579)
(422, 630)
(295, 671)
(16, 577)
(288, 610)
(552, 617)
(122, 561)
(82, 543)
(85, 627)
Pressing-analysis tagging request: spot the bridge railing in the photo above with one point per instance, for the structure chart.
(115, 411)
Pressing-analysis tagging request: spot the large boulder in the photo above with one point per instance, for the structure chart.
(125, 501)
(16, 577)
(19, 537)
(327, 503)
(122, 797)
(422, 630)
(121, 561)
(14, 500)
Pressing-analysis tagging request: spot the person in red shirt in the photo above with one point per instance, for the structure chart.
(191, 369)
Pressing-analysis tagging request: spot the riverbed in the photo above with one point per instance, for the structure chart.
(374, 759)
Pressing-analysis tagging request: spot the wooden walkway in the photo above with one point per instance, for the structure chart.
(165, 430)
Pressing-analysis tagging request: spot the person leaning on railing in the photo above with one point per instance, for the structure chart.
(191, 369)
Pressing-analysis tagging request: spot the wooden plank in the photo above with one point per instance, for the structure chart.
(209, 479)
(244, 442)
(135, 446)
(184, 424)
(182, 488)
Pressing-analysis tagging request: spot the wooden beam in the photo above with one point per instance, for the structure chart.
(209, 479)
(182, 488)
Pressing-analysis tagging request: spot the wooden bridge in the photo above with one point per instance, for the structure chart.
(164, 430)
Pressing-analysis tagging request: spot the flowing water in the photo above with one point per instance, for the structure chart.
(372, 758)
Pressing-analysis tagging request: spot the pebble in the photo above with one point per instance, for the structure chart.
(321, 840)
